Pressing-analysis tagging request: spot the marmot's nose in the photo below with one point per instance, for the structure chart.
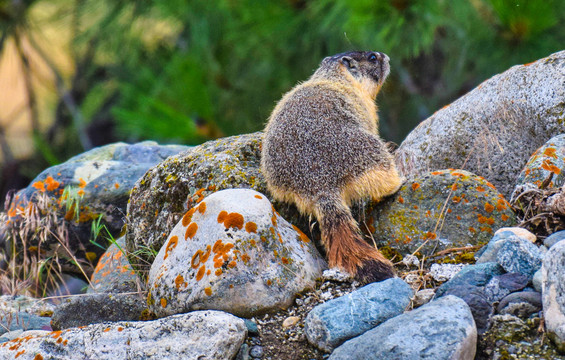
(383, 57)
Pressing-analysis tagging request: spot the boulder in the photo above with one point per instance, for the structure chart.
(64, 201)
(441, 209)
(232, 252)
(198, 335)
(492, 130)
(548, 159)
(553, 294)
(442, 329)
(329, 324)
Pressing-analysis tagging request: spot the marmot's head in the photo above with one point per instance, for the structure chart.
(368, 68)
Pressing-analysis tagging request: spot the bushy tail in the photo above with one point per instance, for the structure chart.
(344, 244)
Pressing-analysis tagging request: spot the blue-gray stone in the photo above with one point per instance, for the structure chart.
(21, 320)
(480, 307)
(252, 328)
(519, 255)
(553, 294)
(442, 329)
(554, 239)
(521, 304)
(537, 280)
(476, 275)
(488, 253)
(330, 324)
(502, 285)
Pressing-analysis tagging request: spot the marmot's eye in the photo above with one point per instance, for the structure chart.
(372, 57)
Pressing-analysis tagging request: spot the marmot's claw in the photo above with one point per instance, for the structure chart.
(373, 271)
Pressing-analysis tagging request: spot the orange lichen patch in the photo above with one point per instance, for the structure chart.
(232, 264)
(458, 174)
(107, 329)
(428, 213)
(486, 229)
(179, 281)
(65, 342)
(430, 235)
(480, 189)
(273, 232)
(548, 165)
(437, 173)
(284, 260)
(400, 199)
(550, 152)
(202, 207)
(218, 272)
(200, 273)
(280, 238)
(490, 185)
(208, 291)
(187, 218)
(52, 184)
(472, 229)
(258, 197)
(504, 217)
(245, 258)
(39, 185)
(269, 282)
(454, 187)
(80, 192)
(449, 211)
(120, 329)
(38, 357)
(206, 255)
(195, 262)
(481, 219)
(56, 334)
(117, 186)
(81, 183)
(490, 221)
(171, 245)
(415, 207)
(212, 187)
(263, 239)
(415, 186)
(19, 353)
(218, 246)
(489, 208)
(222, 216)
(251, 227)
(191, 231)
(163, 302)
(274, 219)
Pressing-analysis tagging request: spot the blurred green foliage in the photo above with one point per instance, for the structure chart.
(185, 71)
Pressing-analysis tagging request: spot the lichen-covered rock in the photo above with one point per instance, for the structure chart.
(64, 200)
(493, 129)
(15, 303)
(210, 335)
(553, 294)
(490, 251)
(167, 191)
(113, 273)
(444, 209)
(548, 159)
(441, 329)
(329, 324)
(502, 285)
(232, 252)
(97, 308)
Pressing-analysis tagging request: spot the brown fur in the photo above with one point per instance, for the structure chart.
(322, 152)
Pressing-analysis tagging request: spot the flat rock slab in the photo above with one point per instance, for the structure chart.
(493, 129)
(553, 293)
(194, 336)
(232, 252)
(443, 209)
(330, 324)
(442, 329)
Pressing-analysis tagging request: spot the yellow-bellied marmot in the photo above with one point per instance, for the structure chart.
(322, 151)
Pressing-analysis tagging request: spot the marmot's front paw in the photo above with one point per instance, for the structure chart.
(373, 271)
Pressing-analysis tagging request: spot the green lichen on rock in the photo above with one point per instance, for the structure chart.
(440, 210)
(164, 194)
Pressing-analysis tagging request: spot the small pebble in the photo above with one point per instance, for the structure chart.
(256, 352)
(290, 321)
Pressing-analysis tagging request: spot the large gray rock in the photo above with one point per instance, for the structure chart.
(492, 130)
(442, 329)
(67, 198)
(330, 324)
(553, 293)
(194, 336)
(232, 252)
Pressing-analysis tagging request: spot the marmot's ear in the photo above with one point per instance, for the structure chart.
(348, 61)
